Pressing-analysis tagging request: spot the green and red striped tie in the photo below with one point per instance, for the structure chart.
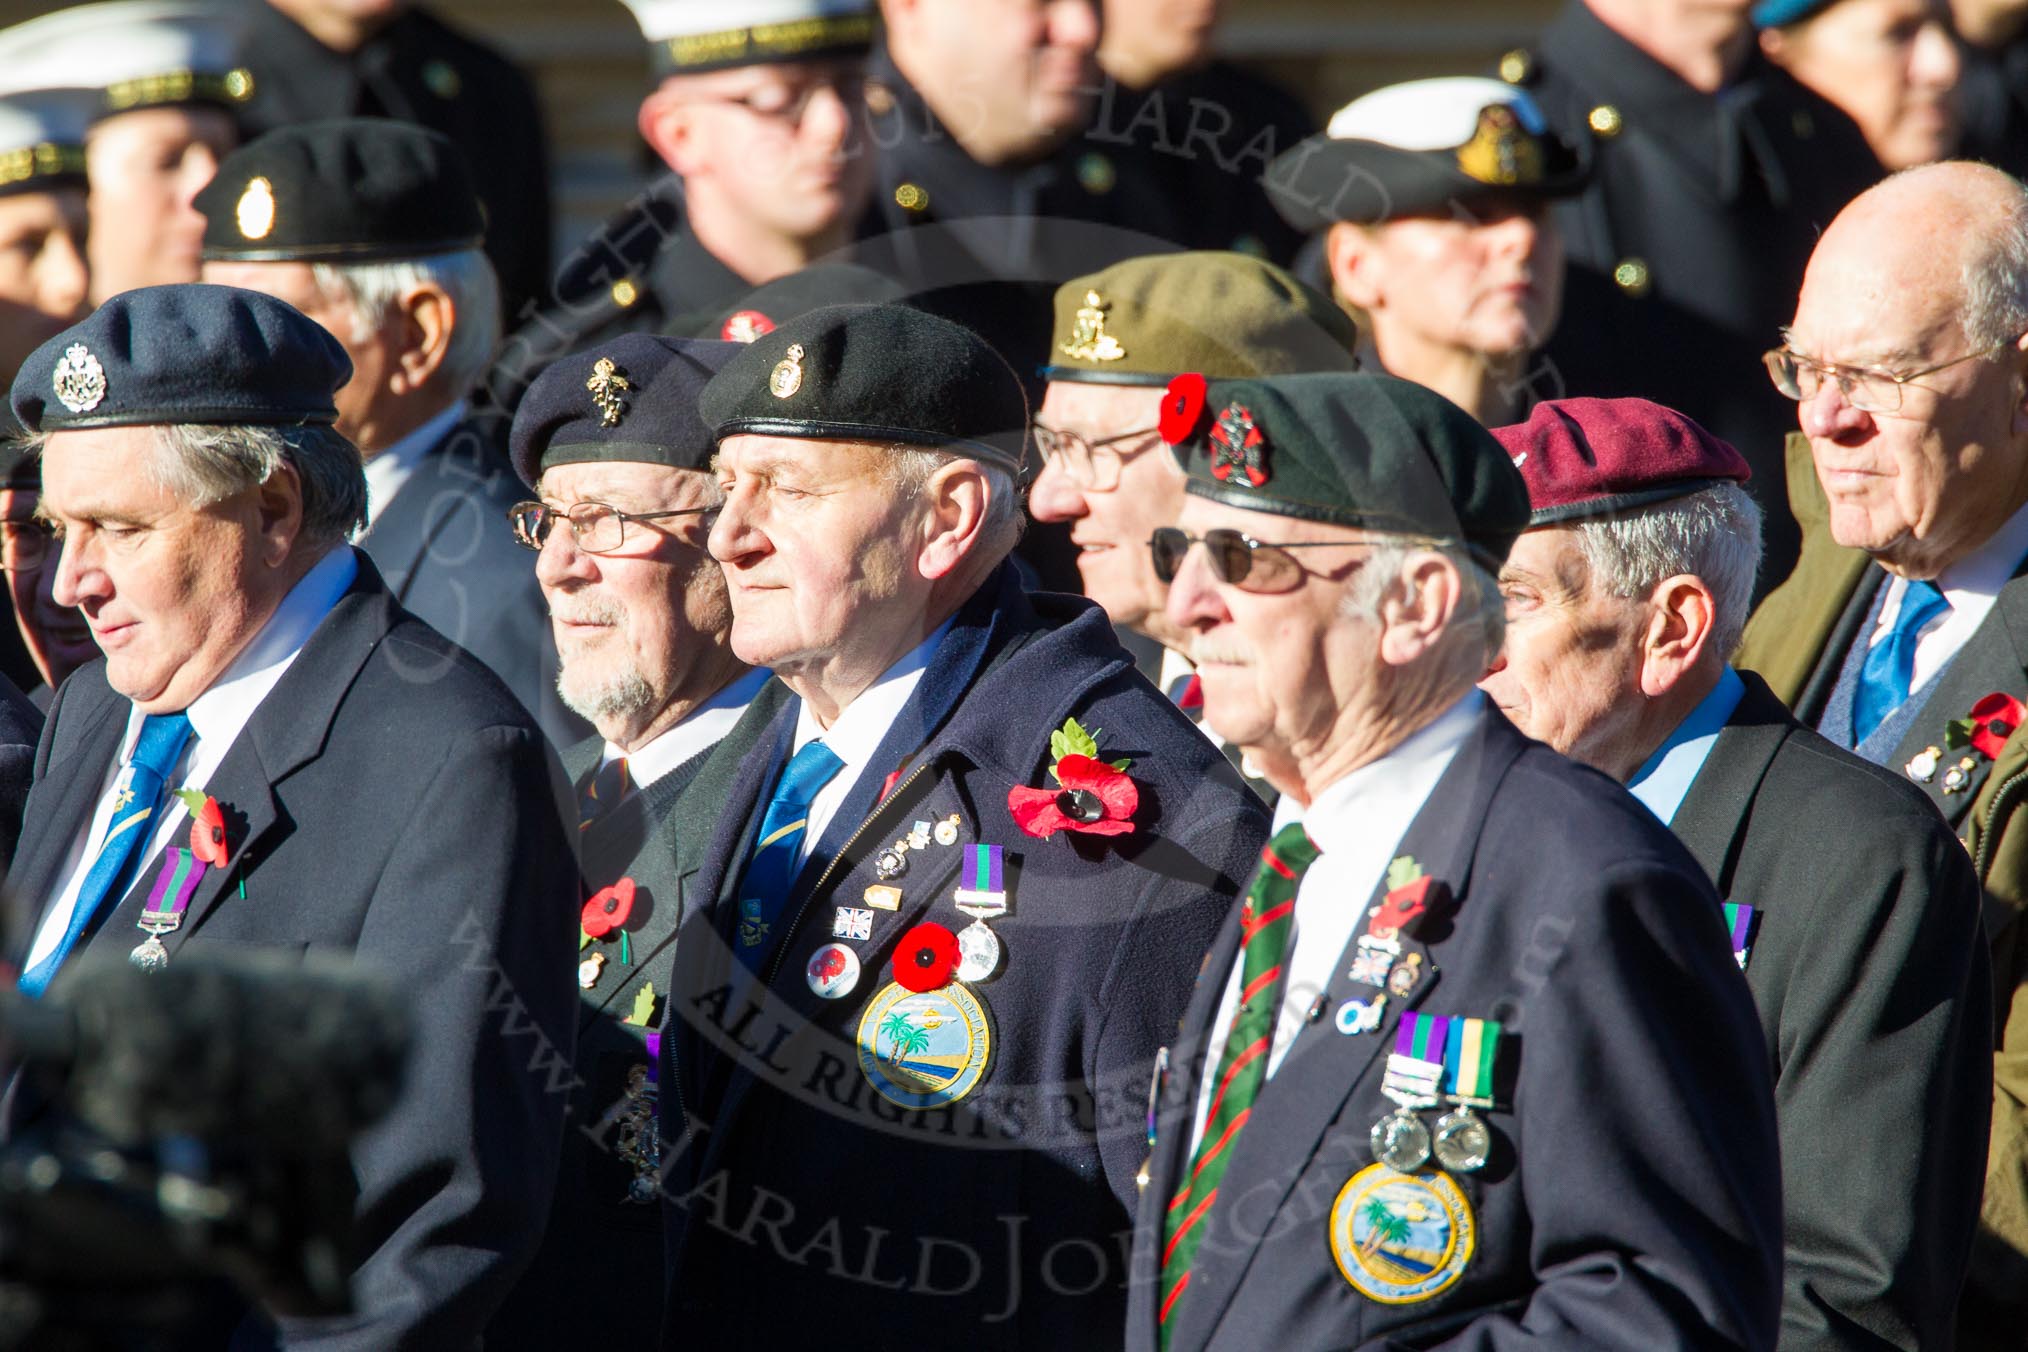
(1267, 921)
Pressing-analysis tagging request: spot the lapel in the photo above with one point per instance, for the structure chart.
(399, 538)
(1992, 659)
(1711, 822)
(1809, 705)
(61, 804)
(1323, 1067)
(286, 732)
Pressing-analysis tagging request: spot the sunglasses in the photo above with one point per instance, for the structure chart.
(1236, 559)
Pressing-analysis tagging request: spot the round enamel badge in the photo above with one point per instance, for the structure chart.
(1401, 1238)
(923, 1049)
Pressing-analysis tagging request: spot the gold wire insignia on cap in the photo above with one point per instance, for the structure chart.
(80, 380)
(1089, 340)
(1501, 151)
(788, 373)
(256, 210)
(606, 384)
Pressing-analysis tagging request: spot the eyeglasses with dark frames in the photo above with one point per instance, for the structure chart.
(595, 527)
(1236, 559)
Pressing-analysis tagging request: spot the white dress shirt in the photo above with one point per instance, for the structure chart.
(216, 719)
(857, 734)
(395, 466)
(704, 728)
(1356, 824)
(1971, 585)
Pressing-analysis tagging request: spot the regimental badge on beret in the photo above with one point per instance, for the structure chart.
(80, 380)
(607, 385)
(1089, 340)
(744, 326)
(787, 377)
(256, 210)
(1237, 443)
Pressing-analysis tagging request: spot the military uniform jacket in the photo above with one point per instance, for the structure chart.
(447, 553)
(1631, 1199)
(1868, 966)
(802, 1203)
(1687, 249)
(421, 70)
(20, 729)
(417, 825)
(1798, 639)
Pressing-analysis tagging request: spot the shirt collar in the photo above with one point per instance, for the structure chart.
(389, 470)
(1989, 567)
(1665, 777)
(866, 720)
(704, 727)
(1343, 811)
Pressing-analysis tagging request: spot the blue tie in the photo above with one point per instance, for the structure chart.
(136, 795)
(1890, 663)
(777, 850)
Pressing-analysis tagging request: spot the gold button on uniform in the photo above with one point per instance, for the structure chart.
(1632, 276)
(1516, 66)
(1606, 120)
(625, 293)
(911, 197)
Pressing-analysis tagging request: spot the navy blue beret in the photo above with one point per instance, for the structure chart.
(634, 399)
(876, 373)
(188, 353)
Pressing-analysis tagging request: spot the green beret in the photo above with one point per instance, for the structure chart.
(1359, 449)
(876, 373)
(1223, 315)
(346, 190)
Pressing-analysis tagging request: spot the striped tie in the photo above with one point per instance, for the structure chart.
(778, 848)
(1267, 921)
(605, 790)
(136, 795)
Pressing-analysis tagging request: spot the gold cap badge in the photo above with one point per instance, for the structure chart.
(256, 209)
(788, 373)
(606, 385)
(1501, 151)
(80, 380)
(1089, 340)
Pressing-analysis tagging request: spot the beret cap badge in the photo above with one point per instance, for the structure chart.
(255, 213)
(1237, 443)
(607, 385)
(787, 376)
(1089, 340)
(80, 380)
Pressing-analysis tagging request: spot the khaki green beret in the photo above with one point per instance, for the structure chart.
(1225, 315)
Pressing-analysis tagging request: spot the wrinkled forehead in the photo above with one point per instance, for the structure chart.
(831, 461)
(1875, 295)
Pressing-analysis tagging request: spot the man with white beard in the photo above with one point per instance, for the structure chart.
(611, 442)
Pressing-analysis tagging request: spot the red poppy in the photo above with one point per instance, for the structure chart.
(1091, 797)
(1994, 719)
(207, 827)
(608, 909)
(1401, 905)
(1182, 406)
(927, 957)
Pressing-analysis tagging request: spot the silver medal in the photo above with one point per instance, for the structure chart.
(149, 955)
(1400, 1141)
(978, 952)
(1463, 1142)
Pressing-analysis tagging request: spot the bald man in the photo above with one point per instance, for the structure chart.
(1898, 634)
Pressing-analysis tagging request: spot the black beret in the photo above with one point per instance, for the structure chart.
(345, 190)
(772, 304)
(632, 399)
(1423, 147)
(188, 353)
(880, 373)
(1354, 449)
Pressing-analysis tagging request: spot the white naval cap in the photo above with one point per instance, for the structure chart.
(42, 138)
(1440, 114)
(132, 53)
(687, 36)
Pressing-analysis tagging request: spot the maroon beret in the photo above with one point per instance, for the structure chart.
(1595, 457)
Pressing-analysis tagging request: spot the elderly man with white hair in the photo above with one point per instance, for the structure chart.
(373, 228)
(1473, 1065)
(1862, 947)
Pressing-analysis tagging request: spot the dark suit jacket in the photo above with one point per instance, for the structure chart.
(1869, 969)
(597, 1239)
(20, 729)
(417, 825)
(999, 1221)
(448, 555)
(1632, 1200)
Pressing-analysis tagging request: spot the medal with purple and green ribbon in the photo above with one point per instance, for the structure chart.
(1463, 1141)
(1413, 1079)
(174, 886)
(1739, 922)
(982, 892)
